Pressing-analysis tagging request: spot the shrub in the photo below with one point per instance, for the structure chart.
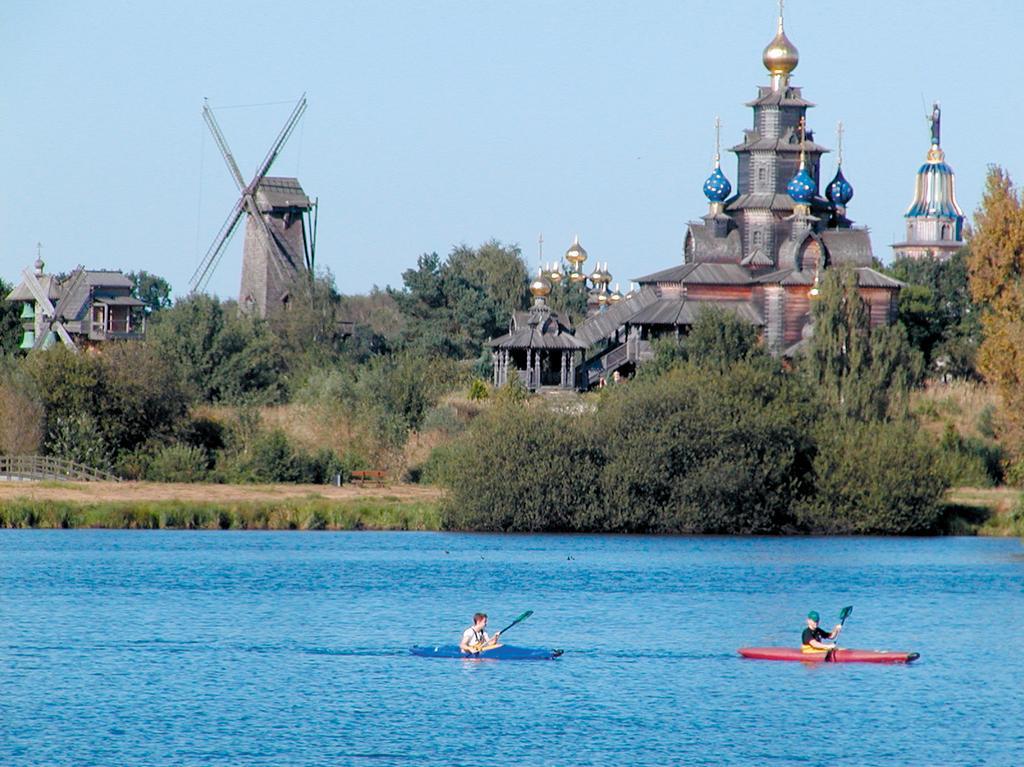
(178, 463)
(270, 458)
(873, 478)
(986, 421)
(704, 452)
(478, 390)
(443, 418)
(520, 468)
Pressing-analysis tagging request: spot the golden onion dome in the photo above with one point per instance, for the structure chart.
(576, 255)
(780, 56)
(577, 276)
(597, 275)
(541, 286)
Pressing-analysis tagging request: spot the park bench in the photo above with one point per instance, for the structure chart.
(362, 476)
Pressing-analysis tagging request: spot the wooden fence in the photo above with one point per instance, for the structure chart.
(47, 467)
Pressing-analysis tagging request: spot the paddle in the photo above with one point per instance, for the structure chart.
(843, 615)
(520, 619)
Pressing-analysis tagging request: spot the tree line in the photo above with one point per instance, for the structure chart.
(713, 435)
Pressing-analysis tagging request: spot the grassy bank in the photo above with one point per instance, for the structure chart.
(994, 511)
(288, 514)
(150, 505)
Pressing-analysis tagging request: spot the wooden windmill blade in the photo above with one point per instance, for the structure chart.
(222, 145)
(279, 142)
(52, 318)
(201, 276)
(278, 253)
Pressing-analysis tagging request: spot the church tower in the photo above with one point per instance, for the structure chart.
(934, 220)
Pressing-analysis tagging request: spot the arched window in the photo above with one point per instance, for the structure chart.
(945, 232)
(762, 175)
(755, 238)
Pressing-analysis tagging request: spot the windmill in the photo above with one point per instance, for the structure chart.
(277, 250)
(50, 318)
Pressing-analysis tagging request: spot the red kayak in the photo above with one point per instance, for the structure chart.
(841, 655)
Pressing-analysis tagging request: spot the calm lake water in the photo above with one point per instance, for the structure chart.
(182, 648)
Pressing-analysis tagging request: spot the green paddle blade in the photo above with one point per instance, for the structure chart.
(845, 613)
(520, 619)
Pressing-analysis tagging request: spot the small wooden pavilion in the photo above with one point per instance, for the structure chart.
(539, 348)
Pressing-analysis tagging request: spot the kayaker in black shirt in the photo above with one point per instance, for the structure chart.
(812, 636)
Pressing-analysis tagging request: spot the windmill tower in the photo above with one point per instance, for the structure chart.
(280, 229)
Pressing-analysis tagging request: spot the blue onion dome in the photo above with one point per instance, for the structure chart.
(839, 190)
(801, 186)
(717, 187)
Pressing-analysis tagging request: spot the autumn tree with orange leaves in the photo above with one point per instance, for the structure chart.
(996, 268)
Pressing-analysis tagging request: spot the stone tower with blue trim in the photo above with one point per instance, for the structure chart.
(934, 220)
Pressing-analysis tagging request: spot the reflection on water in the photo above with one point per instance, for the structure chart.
(163, 648)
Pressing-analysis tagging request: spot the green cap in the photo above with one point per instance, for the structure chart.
(814, 616)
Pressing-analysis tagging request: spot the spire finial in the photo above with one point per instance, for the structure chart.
(540, 247)
(839, 142)
(718, 141)
(782, 12)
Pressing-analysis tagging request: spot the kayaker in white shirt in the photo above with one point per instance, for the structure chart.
(475, 638)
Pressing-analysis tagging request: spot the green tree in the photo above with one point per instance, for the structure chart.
(936, 308)
(858, 372)
(220, 355)
(452, 307)
(718, 338)
(10, 321)
(394, 392)
(153, 291)
(313, 328)
(97, 407)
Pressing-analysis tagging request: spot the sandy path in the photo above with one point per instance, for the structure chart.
(156, 491)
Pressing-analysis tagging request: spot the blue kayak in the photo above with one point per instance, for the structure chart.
(501, 652)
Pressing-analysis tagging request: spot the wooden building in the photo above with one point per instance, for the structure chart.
(540, 349)
(759, 252)
(85, 308)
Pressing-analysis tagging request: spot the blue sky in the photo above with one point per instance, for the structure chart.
(433, 124)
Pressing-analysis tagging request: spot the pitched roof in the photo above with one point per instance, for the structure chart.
(787, 277)
(708, 247)
(685, 311)
(539, 328)
(790, 96)
(850, 247)
(280, 193)
(869, 278)
(73, 295)
(700, 273)
(604, 324)
(22, 293)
